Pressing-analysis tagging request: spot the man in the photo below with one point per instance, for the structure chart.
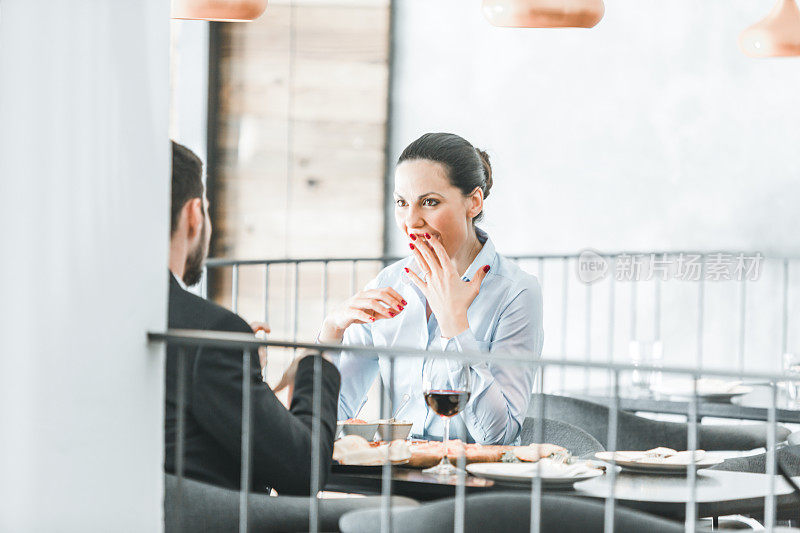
(281, 438)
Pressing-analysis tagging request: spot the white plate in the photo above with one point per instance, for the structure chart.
(525, 472)
(709, 390)
(658, 468)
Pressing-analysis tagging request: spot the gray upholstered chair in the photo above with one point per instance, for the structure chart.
(509, 512)
(789, 457)
(574, 439)
(639, 433)
(210, 508)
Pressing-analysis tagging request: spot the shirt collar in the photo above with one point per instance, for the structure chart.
(485, 257)
(179, 280)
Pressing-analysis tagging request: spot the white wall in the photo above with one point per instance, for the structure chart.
(189, 85)
(650, 131)
(84, 178)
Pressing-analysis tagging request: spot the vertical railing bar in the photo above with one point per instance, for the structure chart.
(266, 293)
(235, 289)
(785, 309)
(538, 435)
(459, 519)
(287, 305)
(564, 306)
(180, 438)
(296, 299)
(657, 310)
(244, 490)
(742, 320)
(612, 305)
(324, 289)
(691, 477)
(386, 470)
(266, 316)
(316, 446)
(701, 292)
(634, 311)
(769, 502)
(295, 305)
(613, 411)
(588, 339)
(540, 272)
(353, 277)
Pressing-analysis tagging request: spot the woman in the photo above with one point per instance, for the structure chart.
(453, 293)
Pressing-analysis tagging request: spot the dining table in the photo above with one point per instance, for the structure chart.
(717, 492)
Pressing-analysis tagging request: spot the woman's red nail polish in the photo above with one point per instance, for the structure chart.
(486, 268)
(427, 235)
(399, 307)
(413, 237)
(407, 270)
(411, 246)
(391, 313)
(372, 318)
(405, 302)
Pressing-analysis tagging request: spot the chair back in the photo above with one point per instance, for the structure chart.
(577, 441)
(640, 433)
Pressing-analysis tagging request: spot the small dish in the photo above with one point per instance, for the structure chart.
(366, 431)
(389, 430)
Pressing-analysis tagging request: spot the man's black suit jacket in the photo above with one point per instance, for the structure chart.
(281, 438)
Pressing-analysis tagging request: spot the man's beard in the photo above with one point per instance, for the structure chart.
(193, 270)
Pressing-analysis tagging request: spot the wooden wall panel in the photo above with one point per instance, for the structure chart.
(300, 147)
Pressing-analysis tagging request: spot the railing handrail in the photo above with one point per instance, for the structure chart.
(243, 341)
(227, 261)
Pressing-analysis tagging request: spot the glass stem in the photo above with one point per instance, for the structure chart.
(445, 460)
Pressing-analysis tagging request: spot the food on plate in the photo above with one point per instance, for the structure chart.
(659, 456)
(429, 453)
(534, 452)
(356, 450)
(354, 421)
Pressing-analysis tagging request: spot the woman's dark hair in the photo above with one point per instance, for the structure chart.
(467, 167)
(187, 181)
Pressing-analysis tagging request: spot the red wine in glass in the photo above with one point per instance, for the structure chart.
(447, 402)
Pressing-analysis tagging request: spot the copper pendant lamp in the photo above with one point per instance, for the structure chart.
(218, 10)
(777, 35)
(543, 13)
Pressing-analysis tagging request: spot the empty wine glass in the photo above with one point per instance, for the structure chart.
(645, 353)
(791, 367)
(446, 386)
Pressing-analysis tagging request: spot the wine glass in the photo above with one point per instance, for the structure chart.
(446, 386)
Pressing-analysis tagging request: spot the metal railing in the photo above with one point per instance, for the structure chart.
(581, 319)
(185, 339)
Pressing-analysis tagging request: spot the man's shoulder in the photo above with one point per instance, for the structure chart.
(189, 311)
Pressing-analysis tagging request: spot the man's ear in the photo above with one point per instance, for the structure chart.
(194, 216)
(475, 202)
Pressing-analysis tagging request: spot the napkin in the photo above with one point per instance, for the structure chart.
(551, 469)
(660, 456)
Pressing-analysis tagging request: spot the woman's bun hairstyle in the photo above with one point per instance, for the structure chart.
(487, 171)
(467, 166)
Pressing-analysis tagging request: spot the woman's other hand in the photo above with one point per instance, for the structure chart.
(364, 307)
(448, 295)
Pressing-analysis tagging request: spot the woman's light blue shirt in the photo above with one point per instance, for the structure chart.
(505, 317)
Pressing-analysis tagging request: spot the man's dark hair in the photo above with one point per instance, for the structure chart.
(187, 181)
